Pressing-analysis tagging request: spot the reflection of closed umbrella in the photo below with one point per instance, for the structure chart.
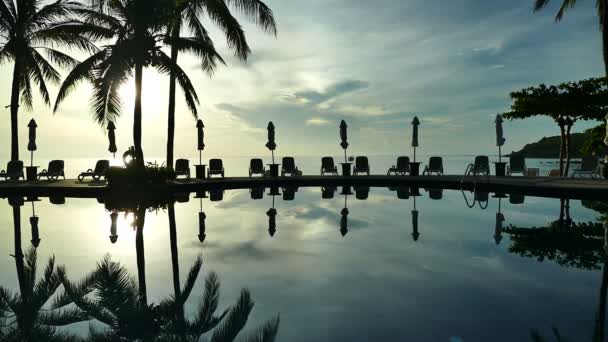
(272, 221)
(201, 226)
(344, 137)
(415, 233)
(113, 234)
(34, 223)
(200, 140)
(500, 139)
(415, 124)
(271, 144)
(31, 146)
(344, 221)
(112, 138)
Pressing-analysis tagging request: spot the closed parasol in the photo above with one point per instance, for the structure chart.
(112, 138)
(31, 146)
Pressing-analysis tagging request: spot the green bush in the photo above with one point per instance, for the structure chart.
(152, 174)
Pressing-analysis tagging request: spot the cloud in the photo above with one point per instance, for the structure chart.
(333, 91)
(317, 122)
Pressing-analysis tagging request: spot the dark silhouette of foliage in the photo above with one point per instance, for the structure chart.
(31, 31)
(565, 103)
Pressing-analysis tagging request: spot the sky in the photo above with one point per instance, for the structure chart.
(374, 64)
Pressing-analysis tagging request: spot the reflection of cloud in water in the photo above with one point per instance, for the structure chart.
(320, 213)
(249, 250)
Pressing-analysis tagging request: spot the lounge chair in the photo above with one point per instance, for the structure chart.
(101, 167)
(216, 195)
(361, 192)
(289, 168)
(589, 167)
(54, 171)
(554, 173)
(216, 167)
(327, 192)
(402, 167)
(403, 192)
(517, 164)
(435, 194)
(182, 168)
(516, 198)
(14, 170)
(435, 166)
(257, 192)
(481, 166)
(361, 166)
(328, 166)
(256, 167)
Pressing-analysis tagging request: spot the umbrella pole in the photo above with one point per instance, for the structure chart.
(499, 154)
(31, 158)
(414, 154)
(33, 212)
(200, 157)
(272, 163)
(345, 160)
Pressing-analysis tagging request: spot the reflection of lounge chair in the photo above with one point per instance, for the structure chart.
(54, 171)
(435, 166)
(589, 167)
(182, 168)
(403, 192)
(257, 193)
(328, 166)
(289, 193)
(216, 167)
(481, 166)
(256, 167)
(101, 167)
(435, 194)
(289, 168)
(516, 198)
(327, 192)
(361, 166)
(402, 167)
(517, 164)
(216, 195)
(361, 192)
(14, 170)
(554, 173)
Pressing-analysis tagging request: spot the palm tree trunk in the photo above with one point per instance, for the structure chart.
(568, 143)
(15, 111)
(600, 323)
(174, 255)
(562, 147)
(171, 114)
(18, 250)
(604, 26)
(141, 259)
(139, 68)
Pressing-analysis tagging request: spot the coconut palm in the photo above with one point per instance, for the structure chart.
(138, 29)
(26, 316)
(187, 14)
(602, 13)
(30, 33)
(111, 295)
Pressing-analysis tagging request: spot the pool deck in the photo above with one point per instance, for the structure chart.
(592, 189)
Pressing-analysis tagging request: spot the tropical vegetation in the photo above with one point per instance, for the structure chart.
(33, 34)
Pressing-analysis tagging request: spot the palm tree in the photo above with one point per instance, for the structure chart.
(137, 30)
(602, 13)
(188, 13)
(30, 33)
(26, 316)
(111, 295)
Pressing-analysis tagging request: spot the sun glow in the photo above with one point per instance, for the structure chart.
(154, 93)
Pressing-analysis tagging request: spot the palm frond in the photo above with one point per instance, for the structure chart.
(266, 333)
(108, 76)
(60, 35)
(31, 259)
(47, 286)
(53, 12)
(62, 317)
(191, 280)
(218, 11)
(164, 64)
(566, 5)
(60, 59)
(259, 12)
(235, 320)
(202, 48)
(205, 318)
(25, 87)
(540, 4)
(47, 71)
(7, 19)
(82, 71)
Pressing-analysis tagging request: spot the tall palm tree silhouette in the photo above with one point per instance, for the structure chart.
(138, 28)
(602, 14)
(30, 31)
(28, 315)
(188, 14)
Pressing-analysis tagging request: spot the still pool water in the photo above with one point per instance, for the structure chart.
(372, 275)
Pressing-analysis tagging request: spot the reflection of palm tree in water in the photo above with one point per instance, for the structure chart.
(27, 316)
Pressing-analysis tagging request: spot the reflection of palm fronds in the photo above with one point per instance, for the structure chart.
(579, 245)
(110, 295)
(26, 316)
(537, 337)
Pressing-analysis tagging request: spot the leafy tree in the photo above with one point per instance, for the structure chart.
(137, 29)
(602, 14)
(31, 31)
(565, 103)
(187, 14)
(26, 316)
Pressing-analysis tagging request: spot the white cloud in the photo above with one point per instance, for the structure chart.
(317, 122)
